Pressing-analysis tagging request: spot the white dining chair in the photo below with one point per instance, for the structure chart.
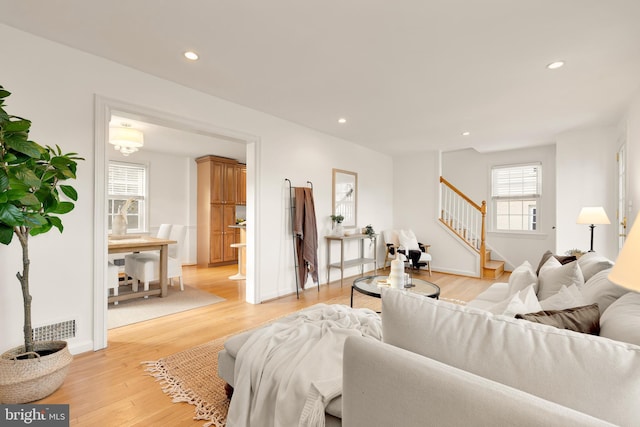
(145, 267)
(164, 231)
(113, 281)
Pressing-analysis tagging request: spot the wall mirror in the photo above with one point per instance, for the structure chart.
(345, 196)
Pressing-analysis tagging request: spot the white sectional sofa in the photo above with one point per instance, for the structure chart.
(450, 365)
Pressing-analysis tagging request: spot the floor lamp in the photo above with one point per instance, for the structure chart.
(626, 271)
(593, 216)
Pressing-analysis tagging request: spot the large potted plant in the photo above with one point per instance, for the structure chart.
(31, 200)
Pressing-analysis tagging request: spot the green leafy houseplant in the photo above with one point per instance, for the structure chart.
(337, 218)
(30, 193)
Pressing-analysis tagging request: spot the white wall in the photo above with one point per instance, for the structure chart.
(633, 158)
(415, 206)
(470, 172)
(586, 176)
(55, 87)
(171, 196)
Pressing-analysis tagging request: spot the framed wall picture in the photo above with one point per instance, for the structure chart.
(345, 196)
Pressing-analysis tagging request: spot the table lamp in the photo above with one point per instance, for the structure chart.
(626, 271)
(593, 216)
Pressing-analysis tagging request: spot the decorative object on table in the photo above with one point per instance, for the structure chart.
(626, 270)
(369, 231)
(396, 276)
(593, 216)
(30, 204)
(337, 225)
(575, 252)
(119, 225)
(345, 196)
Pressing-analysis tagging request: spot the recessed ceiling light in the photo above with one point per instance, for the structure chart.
(191, 55)
(342, 120)
(555, 65)
(466, 133)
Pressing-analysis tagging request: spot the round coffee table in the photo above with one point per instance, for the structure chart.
(372, 285)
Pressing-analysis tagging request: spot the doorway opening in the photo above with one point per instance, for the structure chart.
(105, 110)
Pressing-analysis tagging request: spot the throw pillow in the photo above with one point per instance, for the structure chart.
(524, 301)
(584, 319)
(562, 259)
(599, 289)
(592, 263)
(584, 372)
(408, 240)
(566, 297)
(554, 275)
(521, 278)
(621, 321)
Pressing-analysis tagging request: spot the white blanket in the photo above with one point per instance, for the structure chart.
(276, 367)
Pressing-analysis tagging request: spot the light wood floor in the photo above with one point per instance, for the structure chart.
(110, 388)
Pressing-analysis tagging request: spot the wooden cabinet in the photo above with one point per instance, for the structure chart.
(218, 192)
(241, 184)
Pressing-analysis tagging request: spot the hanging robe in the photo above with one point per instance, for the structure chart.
(306, 231)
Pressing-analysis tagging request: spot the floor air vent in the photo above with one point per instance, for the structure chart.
(55, 332)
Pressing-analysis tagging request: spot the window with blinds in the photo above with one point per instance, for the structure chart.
(127, 181)
(515, 192)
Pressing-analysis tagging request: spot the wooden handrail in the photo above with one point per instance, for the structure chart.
(482, 209)
(461, 194)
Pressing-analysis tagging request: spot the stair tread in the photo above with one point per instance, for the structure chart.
(494, 264)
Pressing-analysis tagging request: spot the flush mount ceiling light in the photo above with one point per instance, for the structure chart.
(191, 55)
(342, 120)
(555, 65)
(466, 133)
(126, 139)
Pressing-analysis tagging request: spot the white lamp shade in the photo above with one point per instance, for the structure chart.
(626, 271)
(126, 137)
(593, 215)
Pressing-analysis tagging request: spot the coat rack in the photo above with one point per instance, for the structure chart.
(293, 241)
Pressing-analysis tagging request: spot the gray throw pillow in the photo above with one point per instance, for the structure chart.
(585, 319)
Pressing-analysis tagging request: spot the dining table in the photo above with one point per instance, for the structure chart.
(140, 243)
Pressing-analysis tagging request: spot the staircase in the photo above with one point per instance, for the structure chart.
(466, 219)
(492, 268)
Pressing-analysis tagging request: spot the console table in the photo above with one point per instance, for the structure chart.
(360, 261)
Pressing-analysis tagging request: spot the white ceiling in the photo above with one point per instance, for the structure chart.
(407, 74)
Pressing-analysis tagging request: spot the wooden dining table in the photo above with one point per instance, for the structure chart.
(139, 243)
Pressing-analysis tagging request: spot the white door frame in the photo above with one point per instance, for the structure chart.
(104, 107)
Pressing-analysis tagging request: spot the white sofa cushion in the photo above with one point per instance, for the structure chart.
(599, 289)
(592, 263)
(521, 302)
(558, 365)
(567, 297)
(492, 295)
(521, 277)
(554, 275)
(621, 321)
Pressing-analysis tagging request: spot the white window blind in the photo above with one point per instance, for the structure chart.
(515, 191)
(516, 181)
(126, 180)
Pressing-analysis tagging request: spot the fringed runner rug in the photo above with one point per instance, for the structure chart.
(191, 376)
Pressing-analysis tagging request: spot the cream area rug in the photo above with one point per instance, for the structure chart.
(141, 309)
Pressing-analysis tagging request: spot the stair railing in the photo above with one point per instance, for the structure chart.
(465, 218)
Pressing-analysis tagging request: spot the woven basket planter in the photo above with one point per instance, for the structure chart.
(26, 380)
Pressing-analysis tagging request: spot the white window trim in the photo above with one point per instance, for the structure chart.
(145, 216)
(493, 218)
